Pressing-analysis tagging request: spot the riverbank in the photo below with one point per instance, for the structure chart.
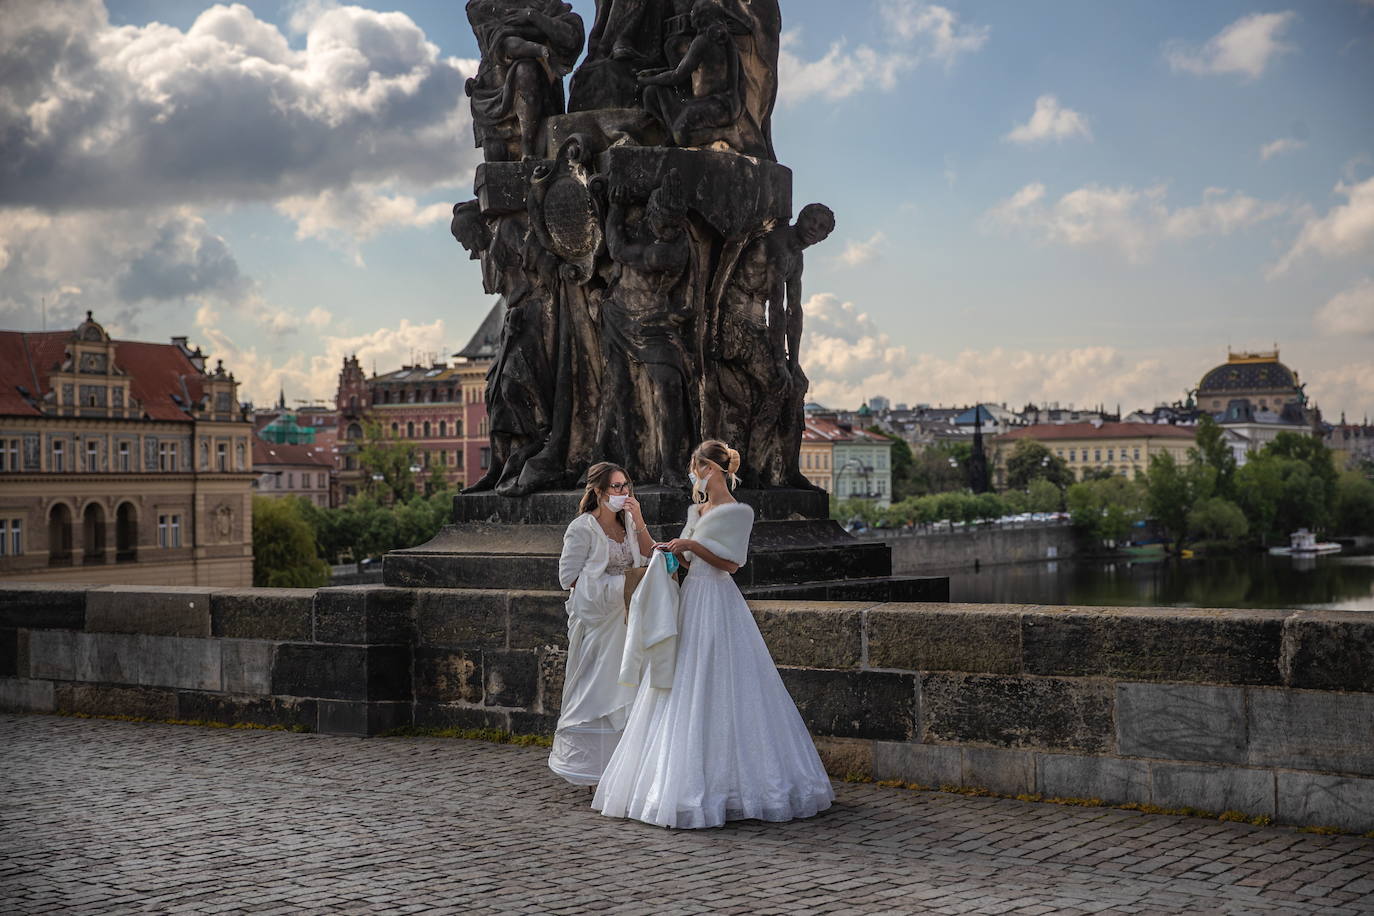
(941, 550)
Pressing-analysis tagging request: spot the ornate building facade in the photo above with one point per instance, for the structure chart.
(121, 462)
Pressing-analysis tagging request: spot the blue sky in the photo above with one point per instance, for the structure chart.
(1076, 202)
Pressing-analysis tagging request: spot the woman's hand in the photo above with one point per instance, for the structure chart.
(636, 512)
(678, 546)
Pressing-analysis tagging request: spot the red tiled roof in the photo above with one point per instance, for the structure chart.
(269, 454)
(1047, 431)
(830, 431)
(156, 372)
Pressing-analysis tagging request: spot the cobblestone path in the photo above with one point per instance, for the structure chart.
(113, 817)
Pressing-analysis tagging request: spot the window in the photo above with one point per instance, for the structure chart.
(410, 430)
(1111, 456)
(443, 429)
(482, 427)
(12, 541)
(9, 454)
(59, 456)
(169, 531)
(458, 458)
(290, 480)
(92, 455)
(222, 456)
(458, 428)
(395, 430)
(443, 458)
(426, 429)
(486, 458)
(238, 456)
(1059, 452)
(124, 456)
(1073, 454)
(1097, 454)
(1137, 453)
(166, 456)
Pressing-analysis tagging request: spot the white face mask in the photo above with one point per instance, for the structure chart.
(616, 501)
(692, 476)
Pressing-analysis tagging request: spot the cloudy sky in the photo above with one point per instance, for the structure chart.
(1080, 202)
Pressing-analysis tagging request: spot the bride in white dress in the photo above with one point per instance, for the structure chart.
(725, 742)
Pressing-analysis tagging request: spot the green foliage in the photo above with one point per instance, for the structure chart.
(1212, 451)
(284, 546)
(1281, 494)
(1173, 490)
(365, 527)
(1043, 496)
(940, 468)
(1218, 519)
(1354, 504)
(1106, 508)
(903, 466)
(1029, 460)
(389, 459)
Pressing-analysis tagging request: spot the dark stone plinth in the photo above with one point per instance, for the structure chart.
(661, 505)
(342, 672)
(262, 613)
(853, 704)
(1327, 650)
(35, 605)
(1040, 712)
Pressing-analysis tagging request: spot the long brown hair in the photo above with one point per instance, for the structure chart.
(598, 479)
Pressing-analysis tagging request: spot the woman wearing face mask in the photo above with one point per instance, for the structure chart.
(725, 741)
(604, 553)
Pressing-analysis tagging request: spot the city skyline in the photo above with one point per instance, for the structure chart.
(1084, 207)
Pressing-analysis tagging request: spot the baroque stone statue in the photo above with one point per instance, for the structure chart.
(641, 241)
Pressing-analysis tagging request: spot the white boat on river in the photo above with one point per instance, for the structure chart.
(1303, 543)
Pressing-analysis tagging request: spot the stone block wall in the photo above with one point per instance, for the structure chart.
(1265, 712)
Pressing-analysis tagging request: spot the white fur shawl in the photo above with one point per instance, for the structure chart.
(724, 530)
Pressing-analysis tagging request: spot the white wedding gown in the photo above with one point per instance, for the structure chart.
(726, 741)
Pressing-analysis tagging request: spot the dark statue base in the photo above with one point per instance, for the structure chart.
(795, 551)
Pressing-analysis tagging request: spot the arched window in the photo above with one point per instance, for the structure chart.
(395, 430)
(458, 429)
(59, 535)
(354, 431)
(353, 403)
(126, 533)
(410, 430)
(443, 428)
(426, 429)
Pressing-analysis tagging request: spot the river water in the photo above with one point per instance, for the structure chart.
(1249, 581)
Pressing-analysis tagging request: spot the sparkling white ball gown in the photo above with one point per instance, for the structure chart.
(725, 742)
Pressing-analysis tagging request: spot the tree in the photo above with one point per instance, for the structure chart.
(1212, 450)
(1042, 496)
(940, 467)
(1172, 491)
(386, 463)
(1279, 494)
(1354, 504)
(1029, 460)
(1218, 519)
(1311, 452)
(1107, 508)
(284, 546)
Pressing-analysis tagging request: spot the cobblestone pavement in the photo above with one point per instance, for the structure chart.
(113, 817)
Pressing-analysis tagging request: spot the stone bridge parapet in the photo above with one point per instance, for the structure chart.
(1264, 712)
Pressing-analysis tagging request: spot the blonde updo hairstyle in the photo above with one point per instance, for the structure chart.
(598, 483)
(721, 456)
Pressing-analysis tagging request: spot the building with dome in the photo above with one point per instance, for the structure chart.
(1256, 377)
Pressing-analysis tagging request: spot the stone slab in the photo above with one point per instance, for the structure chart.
(43, 605)
(151, 610)
(1328, 650)
(854, 704)
(1325, 800)
(52, 654)
(1004, 771)
(510, 677)
(233, 710)
(282, 614)
(448, 675)
(9, 653)
(19, 694)
(538, 619)
(532, 723)
(1108, 778)
(1312, 730)
(170, 661)
(112, 658)
(461, 619)
(320, 671)
(1030, 712)
(661, 506)
(247, 666)
(1155, 644)
(553, 666)
(360, 719)
(812, 635)
(921, 637)
(363, 615)
(1181, 722)
(1213, 788)
(924, 764)
(104, 700)
(873, 590)
(450, 715)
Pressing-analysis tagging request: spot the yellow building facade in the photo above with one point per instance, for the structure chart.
(1121, 448)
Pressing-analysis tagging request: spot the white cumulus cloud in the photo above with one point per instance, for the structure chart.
(1346, 229)
(917, 32)
(1349, 313)
(1050, 121)
(1279, 147)
(1245, 47)
(857, 252)
(1134, 221)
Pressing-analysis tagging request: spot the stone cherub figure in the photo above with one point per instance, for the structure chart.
(527, 47)
(520, 381)
(644, 421)
(701, 100)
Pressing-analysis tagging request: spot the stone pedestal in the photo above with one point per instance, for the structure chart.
(796, 551)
